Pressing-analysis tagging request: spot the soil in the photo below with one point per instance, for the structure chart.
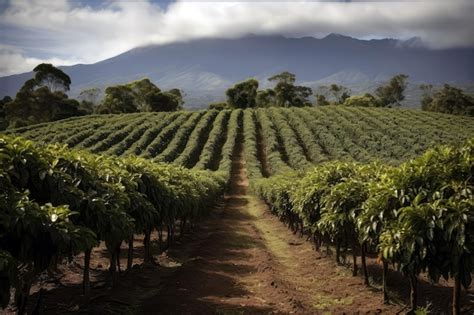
(240, 260)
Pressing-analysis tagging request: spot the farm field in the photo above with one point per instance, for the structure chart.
(236, 255)
(293, 138)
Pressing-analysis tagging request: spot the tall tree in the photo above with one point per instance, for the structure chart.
(243, 94)
(141, 90)
(118, 99)
(392, 93)
(450, 100)
(179, 97)
(55, 79)
(42, 98)
(340, 93)
(3, 121)
(163, 102)
(266, 98)
(287, 93)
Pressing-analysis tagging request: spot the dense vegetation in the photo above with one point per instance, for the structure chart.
(43, 98)
(56, 203)
(418, 216)
(296, 137)
(365, 193)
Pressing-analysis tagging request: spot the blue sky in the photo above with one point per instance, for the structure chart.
(66, 32)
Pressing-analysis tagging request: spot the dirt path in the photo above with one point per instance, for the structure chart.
(243, 260)
(240, 260)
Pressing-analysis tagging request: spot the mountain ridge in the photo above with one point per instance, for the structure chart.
(209, 66)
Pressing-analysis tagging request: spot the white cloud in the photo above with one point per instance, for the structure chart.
(13, 60)
(84, 34)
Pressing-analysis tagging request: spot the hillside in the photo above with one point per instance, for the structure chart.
(275, 139)
(205, 68)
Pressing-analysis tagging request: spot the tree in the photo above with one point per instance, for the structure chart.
(55, 79)
(179, 97)
(91, 96)
(118, 99)
(392, 93)
(449, 100)
(42, 99)
(3, 121)
(321, 100)
(141, 90)
(243, 94)
(366, 100)
(139, 96)
(287, 93)
(163, 102)
(266, 98)
(340, 93)
(427, 96)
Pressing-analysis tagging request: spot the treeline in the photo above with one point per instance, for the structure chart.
(43, 98)
(418, 217)
(286, 93)
(56, 203)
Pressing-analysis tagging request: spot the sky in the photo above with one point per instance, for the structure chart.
(66, 32)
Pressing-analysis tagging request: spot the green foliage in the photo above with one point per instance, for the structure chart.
(42, 99)
(118, 99)
(3, 121)
(392, 93)
(253, 165)
(219, 106)
(51, 77)
(448, 100)
(366, 100)
(211, 152)
(419, 215)
(141, 95)
(164, 101)
(340, 93)
(266, 98)
(287, 93)
(227, 152)
(321, 100)
(56, 202)
(243, 94)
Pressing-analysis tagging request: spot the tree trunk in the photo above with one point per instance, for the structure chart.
(170, 234)
(146, 244)
(86, 283)
(413, 294)
(183, 228)
(113, 265)
(118, 259)
(338, 251)
(160, 236)
(354, 260)
(316, 242)
(363, 249)
(130, 253)
(384, 281)
(457, 295)
(23, 297)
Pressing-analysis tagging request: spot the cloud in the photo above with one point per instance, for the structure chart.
(72, 31)
(14, 60)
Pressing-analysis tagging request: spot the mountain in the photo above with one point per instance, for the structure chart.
(204, 68)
